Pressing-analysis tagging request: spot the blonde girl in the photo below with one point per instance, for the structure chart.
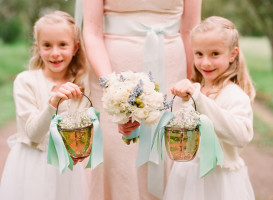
(57, 70)
(223, 90)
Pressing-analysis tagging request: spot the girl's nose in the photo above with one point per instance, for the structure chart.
(55, 51)
(206, 61)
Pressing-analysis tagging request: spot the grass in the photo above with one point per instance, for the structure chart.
(13, 58)
(257, 53)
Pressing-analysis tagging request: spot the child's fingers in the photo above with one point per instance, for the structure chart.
(183, 89)
(66, 92)
(76, 88)
(56, 98)
(70, 90)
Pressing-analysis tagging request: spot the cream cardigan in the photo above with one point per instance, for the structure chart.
(232, 116)
(33, 112)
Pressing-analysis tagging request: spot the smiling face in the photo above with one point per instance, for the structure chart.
(212, 54)
(56, 47)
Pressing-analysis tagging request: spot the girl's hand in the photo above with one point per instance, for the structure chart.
(65, 91)
(182, 89)
(126, 129)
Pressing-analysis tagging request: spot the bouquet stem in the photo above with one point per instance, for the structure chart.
(128, 141)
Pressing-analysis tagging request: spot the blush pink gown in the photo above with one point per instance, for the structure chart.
(118, 178)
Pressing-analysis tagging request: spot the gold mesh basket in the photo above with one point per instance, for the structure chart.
(181, 144)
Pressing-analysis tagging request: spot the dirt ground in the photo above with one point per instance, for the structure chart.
(259, 160)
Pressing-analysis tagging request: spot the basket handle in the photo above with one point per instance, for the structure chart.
(191, 98)
(61, 99)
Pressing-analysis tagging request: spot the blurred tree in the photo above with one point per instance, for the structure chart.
(251, 17)
(18, 16)
(258, 14)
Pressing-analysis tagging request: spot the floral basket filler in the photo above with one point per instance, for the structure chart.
(182, 141)
(182, 135)
(74, 137)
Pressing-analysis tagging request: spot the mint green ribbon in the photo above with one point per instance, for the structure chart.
(96, 156)
(144, 145)
(210, 148)
(135, 133)
(144, 133)
(57, 154)
(159, 131)
(78, 13)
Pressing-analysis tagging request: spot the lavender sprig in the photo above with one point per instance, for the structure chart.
(132, 100)
(136, 92)
(103, 82)
(150, 76)
(122, 78)
(167, 104)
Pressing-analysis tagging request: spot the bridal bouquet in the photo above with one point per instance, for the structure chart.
(132, 96)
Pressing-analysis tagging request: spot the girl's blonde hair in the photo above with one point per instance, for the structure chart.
(237, 71)
(78, 64)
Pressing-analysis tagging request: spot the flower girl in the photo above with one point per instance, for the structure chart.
(56, 71)
(224, 92)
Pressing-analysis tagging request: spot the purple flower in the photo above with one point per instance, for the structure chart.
(136, 92)
(150, 76)
(122, 78)
(103, 82)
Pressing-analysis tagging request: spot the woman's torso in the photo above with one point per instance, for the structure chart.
(125, 52)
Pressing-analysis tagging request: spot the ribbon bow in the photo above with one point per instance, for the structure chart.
(210, 149)
(153, 50)
(57, 154)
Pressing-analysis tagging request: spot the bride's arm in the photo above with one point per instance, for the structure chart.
(95, 47)
(190, 18)
(93, 37)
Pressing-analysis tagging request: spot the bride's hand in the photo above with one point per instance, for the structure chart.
(126, 129)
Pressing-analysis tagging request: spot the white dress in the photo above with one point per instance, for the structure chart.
(26, 175)
(184, 183)
(233, 126)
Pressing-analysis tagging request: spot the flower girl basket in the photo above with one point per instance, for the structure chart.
(78, 141)
(181, 143)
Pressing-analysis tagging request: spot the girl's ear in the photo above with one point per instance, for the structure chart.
(37, 46)
(234, 53)
(76, 48)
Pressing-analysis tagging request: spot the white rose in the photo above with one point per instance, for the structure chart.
(120, 118)
(140, 113)
(152, 118)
